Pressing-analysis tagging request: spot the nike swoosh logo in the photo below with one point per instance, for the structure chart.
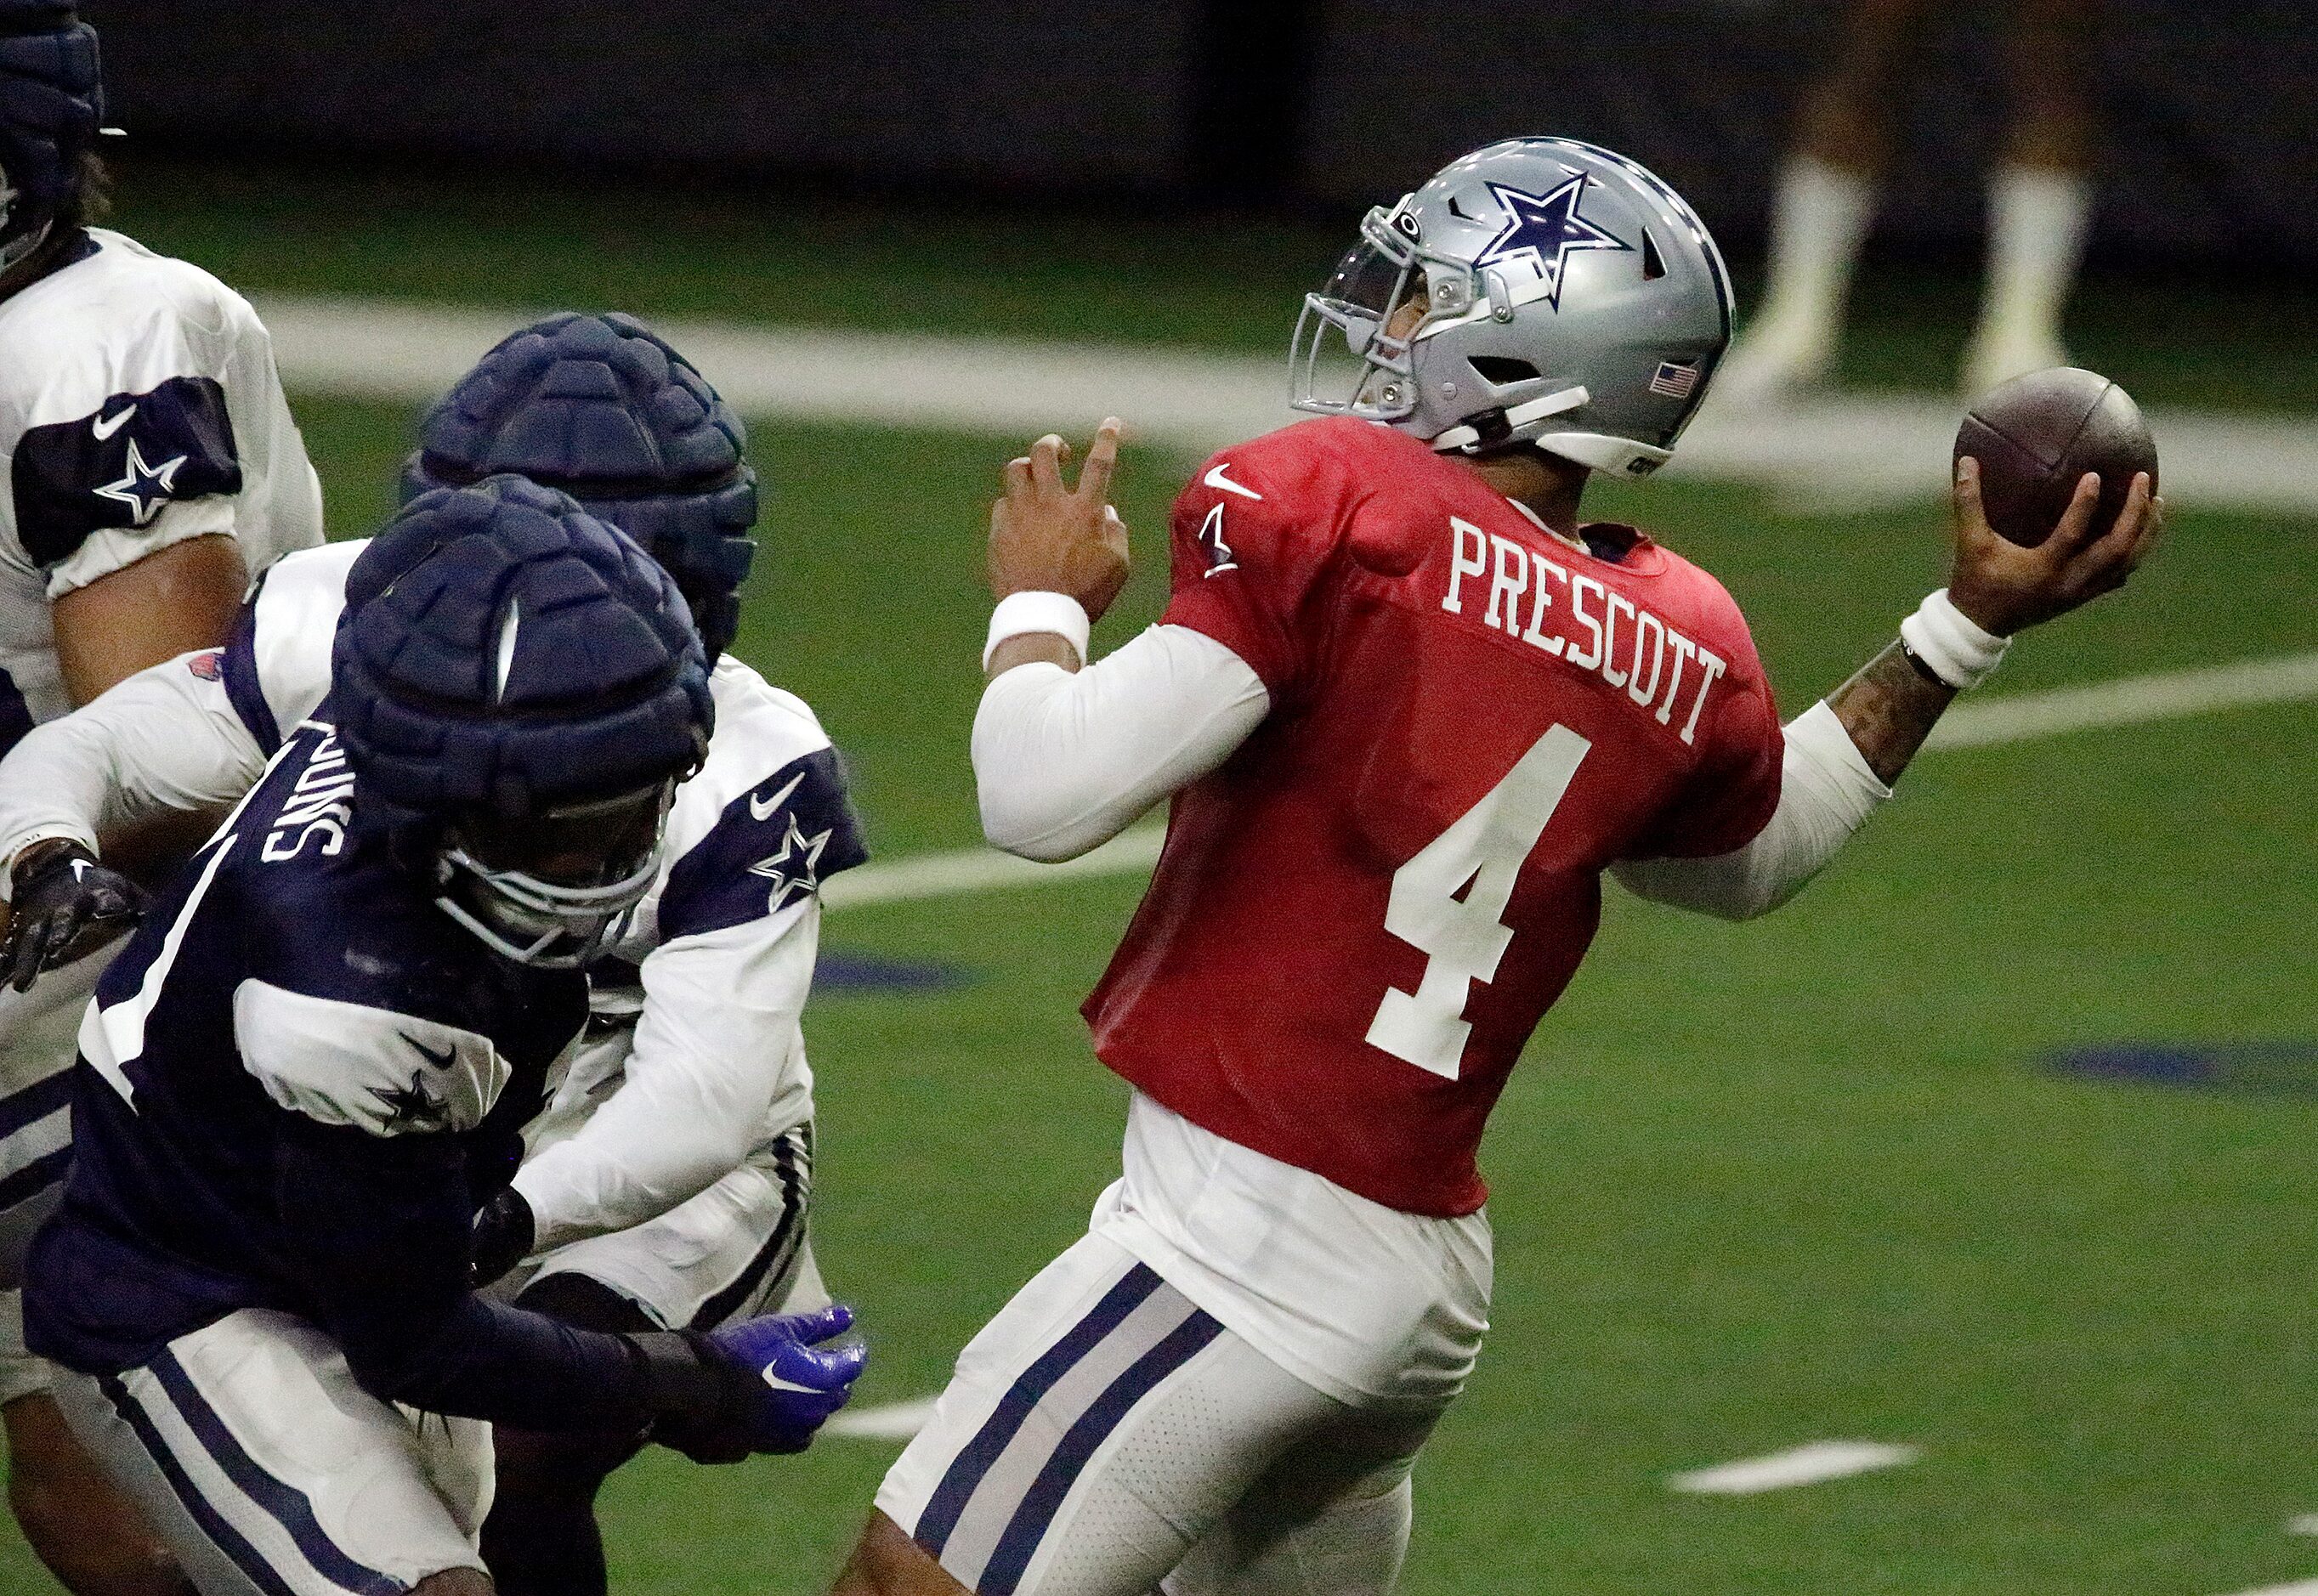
(441, 1061)
(1215, 478)
(778, 1384)
(105, 427)
(764, 809)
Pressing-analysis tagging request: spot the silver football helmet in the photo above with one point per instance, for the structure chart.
(1537, 290)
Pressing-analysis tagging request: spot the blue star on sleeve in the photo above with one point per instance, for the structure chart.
(771, 848)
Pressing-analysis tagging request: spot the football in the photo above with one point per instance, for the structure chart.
(2037, 435)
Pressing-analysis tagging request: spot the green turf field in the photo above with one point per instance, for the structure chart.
(1756, 1185)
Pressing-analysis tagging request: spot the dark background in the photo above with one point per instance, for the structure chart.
(2209, 152)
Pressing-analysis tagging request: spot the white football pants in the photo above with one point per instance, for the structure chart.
(1104, 1436)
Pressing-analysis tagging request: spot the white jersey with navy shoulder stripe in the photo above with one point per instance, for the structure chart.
(140, 406)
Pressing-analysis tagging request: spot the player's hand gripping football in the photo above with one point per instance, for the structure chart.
(2007, 588)
(777, 1382)
(1046, 537)
(63, 905)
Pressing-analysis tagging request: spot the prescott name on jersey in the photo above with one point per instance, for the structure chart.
(1362, 915)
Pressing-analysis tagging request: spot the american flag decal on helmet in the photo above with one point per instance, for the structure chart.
(1674, 379)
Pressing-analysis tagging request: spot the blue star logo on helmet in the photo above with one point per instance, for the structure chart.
(1543, 230)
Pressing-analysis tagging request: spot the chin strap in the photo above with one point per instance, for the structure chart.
(1515, 418)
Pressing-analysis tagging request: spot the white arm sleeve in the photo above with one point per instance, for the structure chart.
(164, 739)
(1826, 793)
(717, 1042)
(1065, 760)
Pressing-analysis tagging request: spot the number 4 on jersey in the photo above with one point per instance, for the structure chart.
(1479, 856)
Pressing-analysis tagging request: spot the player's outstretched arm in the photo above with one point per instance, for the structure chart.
(1842, 756)
(164, 741)
(1995, 589)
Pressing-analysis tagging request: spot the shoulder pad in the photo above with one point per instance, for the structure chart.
(120, 462)
(277, 664)
(770, 848)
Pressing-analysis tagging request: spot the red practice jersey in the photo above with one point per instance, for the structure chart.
(1361, 916)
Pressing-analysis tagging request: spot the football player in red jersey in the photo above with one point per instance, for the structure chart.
(1410, 711)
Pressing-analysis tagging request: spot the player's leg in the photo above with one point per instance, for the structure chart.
(268, 1471)
(1095, 1432)
(2039, 195)
(1331, 1519)
(1823, 200)
(738, 1248)
(456, 1581)
(542, 1534)
(90, 1535)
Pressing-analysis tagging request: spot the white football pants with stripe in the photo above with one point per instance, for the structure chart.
(1103, 1436)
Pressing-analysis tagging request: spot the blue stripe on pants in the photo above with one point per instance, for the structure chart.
(289, 1506)
(966, 1470)
(223, 1535)
(44, 1098)
(1035, 1515)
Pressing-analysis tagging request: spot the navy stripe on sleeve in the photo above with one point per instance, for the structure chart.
(44, 1171)
(242, 687)
(44, 1098)
(772, 846)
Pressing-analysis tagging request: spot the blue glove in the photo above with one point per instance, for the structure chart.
(772, 1385)
(798, 1384)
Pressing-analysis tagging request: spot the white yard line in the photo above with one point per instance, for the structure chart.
(981, 869)
(1841, 452)
(2299, 1588)
(1807, 1464)
(2017, 717)
(895, 1422)
(2303, 1524)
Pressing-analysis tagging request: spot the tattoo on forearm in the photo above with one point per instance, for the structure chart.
(1889, 708)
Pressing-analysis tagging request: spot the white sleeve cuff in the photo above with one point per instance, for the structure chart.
(1023, 615)
(1956, 648)
(14, 848)
(1064, 761)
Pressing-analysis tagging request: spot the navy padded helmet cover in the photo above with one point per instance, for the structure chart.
(606, 689)
(607, 411)
(51, 105)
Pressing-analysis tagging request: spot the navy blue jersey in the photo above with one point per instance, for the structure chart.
(297, 1083)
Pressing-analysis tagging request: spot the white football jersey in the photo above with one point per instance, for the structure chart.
(140, 406)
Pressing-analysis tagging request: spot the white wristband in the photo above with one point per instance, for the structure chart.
(1019, 614)
(1957, 649)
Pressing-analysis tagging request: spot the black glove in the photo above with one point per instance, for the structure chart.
(64, 905)
(504, 1232)
(761, 1386)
